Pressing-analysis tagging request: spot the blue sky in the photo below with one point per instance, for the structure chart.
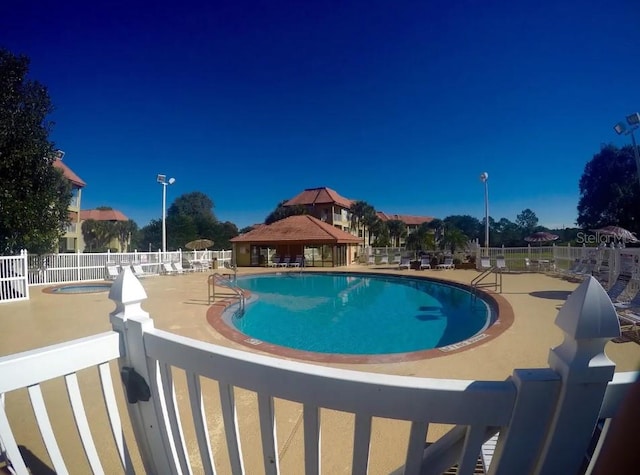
(401, 104)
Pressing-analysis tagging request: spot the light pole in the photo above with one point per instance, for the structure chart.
(484, 178)
(162, 179)
(634, 121)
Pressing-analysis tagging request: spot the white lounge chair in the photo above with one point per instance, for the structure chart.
(285, 262)
(425, 263)
(384, 260)
(177, 266)
(167, 269)
(275, 262)
(299, 262)
(112, 271)
(447, 264)
(397, 259)
(405, 263)
(138, 271)
(371, 260)
(501, 264)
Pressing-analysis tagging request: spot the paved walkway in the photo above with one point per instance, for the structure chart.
(179, 304)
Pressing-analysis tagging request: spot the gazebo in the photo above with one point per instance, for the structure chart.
(321, 244)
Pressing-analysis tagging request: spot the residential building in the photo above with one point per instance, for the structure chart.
(325, 204)
(70, 241)
(111, 215)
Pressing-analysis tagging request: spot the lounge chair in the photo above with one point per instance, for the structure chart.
(112, 271)
(619, 288)
(299, 262)
(397, 259)
(501, 264)
(405, 263)
(178, 268)
(285, 262)
(485, 263)
(138, 271)
(384, 260)
(425, 263)
(447, 264)
(630, 319)
(275, 261)
(167, 269)
(371, 260)
(634, 303)
(196, 265)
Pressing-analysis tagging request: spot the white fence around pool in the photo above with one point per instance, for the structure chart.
(188, 410)
(17, 273)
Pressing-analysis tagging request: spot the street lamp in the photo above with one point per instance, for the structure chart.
(484, 178)
(162, 179)
(634, 122)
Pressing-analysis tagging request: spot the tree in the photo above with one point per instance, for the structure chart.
(527, 221)
(34, 196)
(609, 190)
(421, 239)
(194, 204)
(437, 228)
(397, 230)
(150, 236)
(98, 234)
(469, 225)
(454, 239)
(124, 232)
(380, 230)
(283, 211)
(362, 216)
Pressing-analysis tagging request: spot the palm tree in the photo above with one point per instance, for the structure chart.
(124, 230)
(361, 212)
(421, 239)
(453, 239)
(437, 226)
(397, 230)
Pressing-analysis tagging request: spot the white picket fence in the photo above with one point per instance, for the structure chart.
(546, 418)
(17, 273)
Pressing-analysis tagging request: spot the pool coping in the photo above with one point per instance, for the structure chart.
(504, 320)
(52, 289)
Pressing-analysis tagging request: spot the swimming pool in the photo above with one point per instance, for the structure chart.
(358, 314)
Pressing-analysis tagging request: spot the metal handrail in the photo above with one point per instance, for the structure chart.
(476, 282)
(227, 283)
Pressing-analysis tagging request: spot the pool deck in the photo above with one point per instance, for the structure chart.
(179, 304)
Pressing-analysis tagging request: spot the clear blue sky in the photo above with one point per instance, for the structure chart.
(401, 104)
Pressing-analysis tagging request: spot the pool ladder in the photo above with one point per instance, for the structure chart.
(227, 283)
(477, 281)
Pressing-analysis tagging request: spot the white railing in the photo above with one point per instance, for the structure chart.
(545, 417)
(14, 284)
(78, 267)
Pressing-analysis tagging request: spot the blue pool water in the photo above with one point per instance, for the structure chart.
(359, 314)
(81, 289)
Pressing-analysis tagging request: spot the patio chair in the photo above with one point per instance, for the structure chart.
(285, 262)
(112, 271)
(447, 264)
(167, 269)
(632, 304)
(371, 260)
(501, 264)
(629, 319)
(619, 288)
(138, 271)
(384, 260)
(178, 268)
(397, 259)
(405, 263)
(425, 263)
(299, 262)
(275, 261)
(196, 265)
(485, 262)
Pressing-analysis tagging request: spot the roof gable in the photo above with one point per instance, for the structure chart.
(323, 195)
(405, 218)
(102, 215)
(68, 173)
(299, 228)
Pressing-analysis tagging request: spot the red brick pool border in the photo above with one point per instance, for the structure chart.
(504, 320)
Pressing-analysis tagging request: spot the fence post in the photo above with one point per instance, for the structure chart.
(148, 418)
(588, 320)
(78, 264)
(25, 268)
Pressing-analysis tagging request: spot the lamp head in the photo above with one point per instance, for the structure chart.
(633, 119)
(484, 176)
(172, 181)
(620, 128)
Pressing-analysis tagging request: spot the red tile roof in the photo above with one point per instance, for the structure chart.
(323, 195)
(69, 173)
(406, 219)
(301, 229)
(102, 215)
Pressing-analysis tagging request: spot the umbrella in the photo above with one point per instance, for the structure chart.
(198, 244)
(541, 236)
(617, 232)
